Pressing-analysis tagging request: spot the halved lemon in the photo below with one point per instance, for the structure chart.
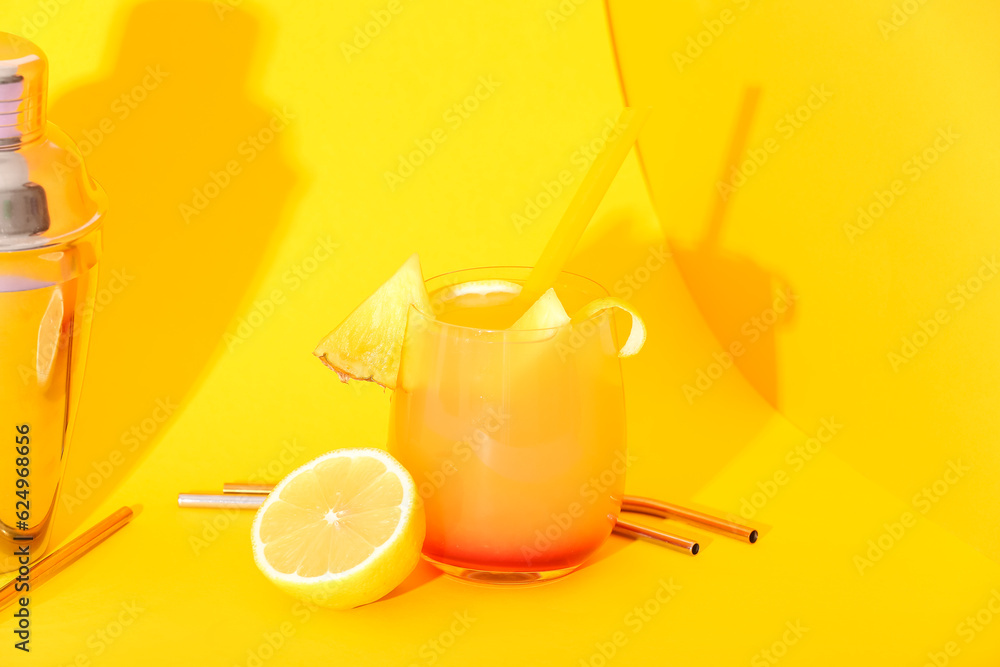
(342, 530)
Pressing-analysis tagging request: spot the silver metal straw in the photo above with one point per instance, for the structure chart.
(220, 501)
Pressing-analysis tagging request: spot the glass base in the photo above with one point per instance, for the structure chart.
(502, 578)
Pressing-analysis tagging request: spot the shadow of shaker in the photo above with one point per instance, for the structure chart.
(198, 182)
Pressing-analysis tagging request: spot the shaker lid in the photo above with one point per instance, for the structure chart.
(47, 198)
(23, 84)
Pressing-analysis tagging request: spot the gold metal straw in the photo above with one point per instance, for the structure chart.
(629, 529)
(670, 511)
(262, 489)
(58, 560)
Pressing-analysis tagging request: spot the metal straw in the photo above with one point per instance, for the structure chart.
(61, 558)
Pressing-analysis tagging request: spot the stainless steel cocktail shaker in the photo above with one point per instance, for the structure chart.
(50, 217)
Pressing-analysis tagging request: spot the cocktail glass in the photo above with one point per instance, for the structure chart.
(515, 438)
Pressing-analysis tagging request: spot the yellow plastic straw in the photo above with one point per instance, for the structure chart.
(581, 209)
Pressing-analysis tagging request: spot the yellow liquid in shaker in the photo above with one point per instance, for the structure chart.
(43, 335)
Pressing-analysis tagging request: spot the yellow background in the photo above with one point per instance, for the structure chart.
(217, 314)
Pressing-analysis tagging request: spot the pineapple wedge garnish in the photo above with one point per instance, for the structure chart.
(367, 345)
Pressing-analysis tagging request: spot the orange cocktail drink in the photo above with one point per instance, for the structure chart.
(514, 437)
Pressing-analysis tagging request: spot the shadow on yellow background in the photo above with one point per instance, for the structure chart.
(201, 181)
(688, 447)
(895, 330)
(742, 303)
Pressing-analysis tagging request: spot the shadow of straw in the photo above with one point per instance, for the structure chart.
(734, 294)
